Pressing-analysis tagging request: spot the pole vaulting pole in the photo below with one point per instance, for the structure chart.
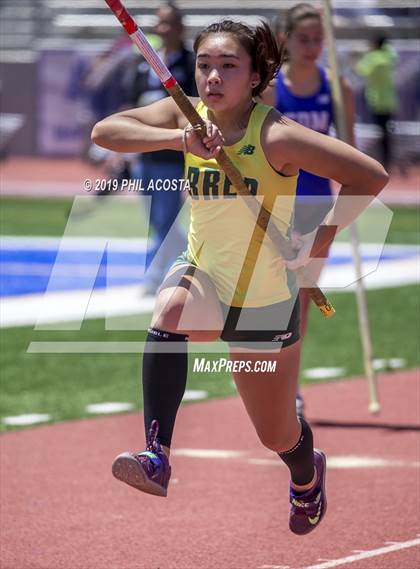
(343, 134)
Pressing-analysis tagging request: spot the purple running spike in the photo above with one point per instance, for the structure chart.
(148, 471)
(308, 509)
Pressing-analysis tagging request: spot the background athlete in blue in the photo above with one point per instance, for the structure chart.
(302, 92)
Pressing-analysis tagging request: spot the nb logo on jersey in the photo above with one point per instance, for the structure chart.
(247, 150)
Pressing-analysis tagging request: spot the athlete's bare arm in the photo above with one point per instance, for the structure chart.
(289, 146)
(146, 129)
(159, 126)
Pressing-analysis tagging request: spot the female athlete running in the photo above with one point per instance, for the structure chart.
(199, 300)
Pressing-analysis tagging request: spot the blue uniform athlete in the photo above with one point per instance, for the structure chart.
(302, 92)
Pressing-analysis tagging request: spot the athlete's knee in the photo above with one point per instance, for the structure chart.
(178, 317)
(280, 439)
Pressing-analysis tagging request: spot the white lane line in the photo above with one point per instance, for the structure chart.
(367, 462)
(366, 554)
(207, 453)
(323, 372)
(28, 419)
(390, 363)
(109, 407)
(274, 567)
(334, 462)
(195, 395)
(346, 462)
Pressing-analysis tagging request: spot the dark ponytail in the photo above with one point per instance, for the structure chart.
(268, 56)
(260, 44)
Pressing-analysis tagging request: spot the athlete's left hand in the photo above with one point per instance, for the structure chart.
(296, 240)
(303, 245)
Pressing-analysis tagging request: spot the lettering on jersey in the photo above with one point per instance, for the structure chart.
(211, 180)
(214, 184)
(229, 191)
(192, 176)
(252, 185)
(315, 120)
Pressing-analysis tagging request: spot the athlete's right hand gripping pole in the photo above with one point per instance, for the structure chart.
(173, 88)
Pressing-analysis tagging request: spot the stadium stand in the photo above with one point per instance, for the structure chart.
(30, 28)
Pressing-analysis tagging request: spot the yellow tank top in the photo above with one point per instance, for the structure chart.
(221, 224)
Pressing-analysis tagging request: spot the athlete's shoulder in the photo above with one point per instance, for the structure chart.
(275, 125)
(277, 133)
(262, 108)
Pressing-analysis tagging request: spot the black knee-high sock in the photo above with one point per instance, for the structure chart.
(165, 368)
(300, 458)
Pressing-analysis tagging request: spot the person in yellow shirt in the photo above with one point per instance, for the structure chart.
(377, 68)
(200, 300)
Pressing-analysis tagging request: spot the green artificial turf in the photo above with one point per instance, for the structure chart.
(113, 216)
(22, 216)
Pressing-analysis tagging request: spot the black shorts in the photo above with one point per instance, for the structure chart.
(262, 328)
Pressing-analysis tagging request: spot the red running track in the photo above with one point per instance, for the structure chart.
(62, 509)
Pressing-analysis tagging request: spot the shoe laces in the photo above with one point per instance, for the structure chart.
(152, 442)
(308, 507)
(151, 457)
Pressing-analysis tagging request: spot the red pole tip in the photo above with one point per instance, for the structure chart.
(170, 83)
(123, 16)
